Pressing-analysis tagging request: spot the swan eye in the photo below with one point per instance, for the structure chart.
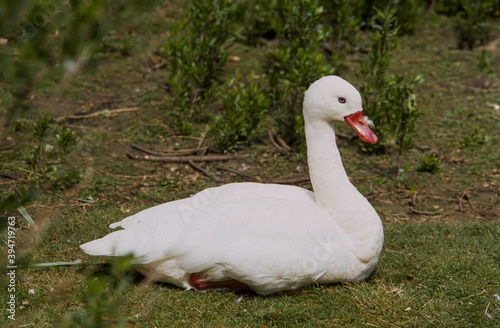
(342, 100)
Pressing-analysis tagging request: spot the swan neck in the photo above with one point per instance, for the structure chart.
(328, 177)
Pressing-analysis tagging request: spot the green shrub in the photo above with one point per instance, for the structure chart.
(244, 106)
(103, 297)
(35, 54)
(196, 52)
(261, 20)
(473, 24)
(374, 70)
(477, 137)
(388, 100)
(407, 12)
(345, 20)
(48, 163)
(296, 62)
(429, 163)
(400, 110)
(485, 61)
(66, 142)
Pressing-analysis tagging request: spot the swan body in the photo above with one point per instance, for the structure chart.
(265, 237)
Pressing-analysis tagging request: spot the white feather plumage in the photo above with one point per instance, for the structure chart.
(270, 237)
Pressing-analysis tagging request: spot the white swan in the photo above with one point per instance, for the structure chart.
(265, 237)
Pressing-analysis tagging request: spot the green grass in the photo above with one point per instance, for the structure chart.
(440, 262)
(429, 275)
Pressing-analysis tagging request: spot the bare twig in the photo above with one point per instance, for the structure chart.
(273, 141)
(489, 316)
(203, 137)
(464, 194)
(204, 171)
(8, 176)
(297, 180)
(283, 143)
(414, 211)
(239, 173)
(183, 159)
(146, 151)
(168, 152)
(105, 113)
(158, 65)
(2, 148)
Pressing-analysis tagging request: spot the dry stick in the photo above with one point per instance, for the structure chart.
(239, 173)
(183, 159)
(171, 152)
(204, 171)
(8, 176)
(494, 85)
(461, 199)
(156, 66)
(271, 137)
(203, 137)
(292, 180)
(7, 147)
(283, 143)
(105, 112)
(412, 210)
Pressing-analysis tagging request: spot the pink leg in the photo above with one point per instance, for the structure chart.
(197, 282)
(291, 292)
(201, 284)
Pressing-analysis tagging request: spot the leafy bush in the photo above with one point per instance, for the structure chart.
(47, 39)
(345, 20)
(477, 137)
(429, 163)
(196, 52)
(103, 298)
(374, 71)
(407, 12)
(296, 62)
(400, 110)
(244, 107)
(485, 61)
(473, 24)
(388, 100)
(261, 19)
(48, 163)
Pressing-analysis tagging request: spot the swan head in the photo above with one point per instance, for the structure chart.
(332, 98)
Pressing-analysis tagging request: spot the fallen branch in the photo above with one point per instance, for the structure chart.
(2, 148)
(297, 180)
(58, 264)
(158, 65)
(184, 159)
(273, 141)
(171, 152)
(246, 176)
(414, 211)
(203, 137)
(283, 144)
(105, 113)
(8, 176)
(204, 171)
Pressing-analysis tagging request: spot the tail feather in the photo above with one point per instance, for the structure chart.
(106, 246)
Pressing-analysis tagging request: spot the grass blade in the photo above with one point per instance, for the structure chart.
(26, 216)
(58, 264)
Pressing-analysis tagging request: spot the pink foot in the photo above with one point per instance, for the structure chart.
(197, 282)
(291, 292)
(201, 284)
